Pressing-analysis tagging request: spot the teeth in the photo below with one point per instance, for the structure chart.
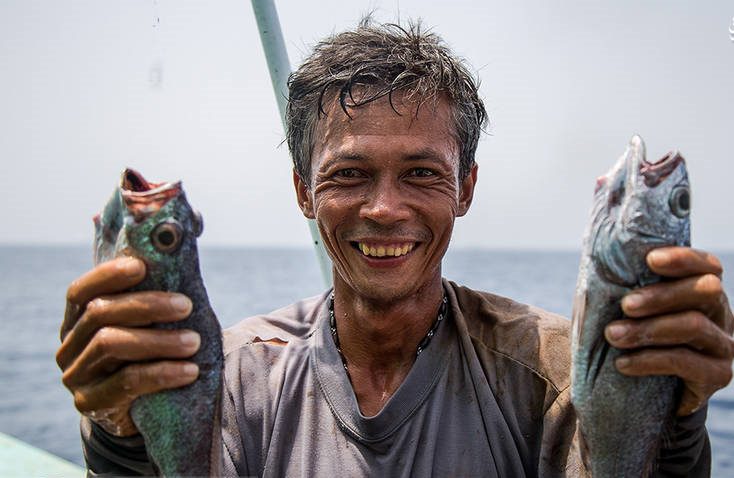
(395, 250)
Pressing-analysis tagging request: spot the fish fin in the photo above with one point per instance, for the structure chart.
(216, 457)
(602, 347)
(578, 314)
(584, 449)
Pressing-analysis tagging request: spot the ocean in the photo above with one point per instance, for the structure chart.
(36, 408)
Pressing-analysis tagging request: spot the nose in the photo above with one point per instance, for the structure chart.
(386, 202)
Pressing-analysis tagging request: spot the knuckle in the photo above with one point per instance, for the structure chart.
(72, 293)
(95, 310)
(727, 375)
(104, 339)
(699, 323)
(59, 358)
(81, 402)
(67, 380)
(132, 378)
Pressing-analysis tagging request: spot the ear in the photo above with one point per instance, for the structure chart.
(466, 194)
(303, 193)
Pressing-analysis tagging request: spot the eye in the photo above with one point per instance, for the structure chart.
(421, 173)
(348, 173)
(680, 201)
(167, 236)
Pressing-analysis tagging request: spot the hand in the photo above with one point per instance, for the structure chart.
(107, 359)
(683, 326)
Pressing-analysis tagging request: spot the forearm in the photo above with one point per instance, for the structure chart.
(107, 455)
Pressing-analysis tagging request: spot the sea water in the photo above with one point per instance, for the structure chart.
(36, 408)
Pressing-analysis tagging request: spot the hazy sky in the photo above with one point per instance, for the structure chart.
(180, 90)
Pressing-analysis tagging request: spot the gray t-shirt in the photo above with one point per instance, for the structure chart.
(440, 422)
(489, 396)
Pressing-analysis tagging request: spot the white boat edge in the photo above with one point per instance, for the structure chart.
(20, 459)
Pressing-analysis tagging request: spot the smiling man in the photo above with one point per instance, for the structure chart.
(396, 371)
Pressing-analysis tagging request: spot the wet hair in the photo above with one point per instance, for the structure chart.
(375, 61)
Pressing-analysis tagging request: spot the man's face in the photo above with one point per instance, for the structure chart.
(385, 193)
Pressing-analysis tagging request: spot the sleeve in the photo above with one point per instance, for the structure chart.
(687, 453)
(560, 452)
(108, 455)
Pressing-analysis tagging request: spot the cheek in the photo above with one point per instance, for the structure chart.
(331, 208)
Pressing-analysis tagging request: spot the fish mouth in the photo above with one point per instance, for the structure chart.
(655, 172)
(143, 198)
(647, 237)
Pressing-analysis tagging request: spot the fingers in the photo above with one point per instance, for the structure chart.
(682, 262)
(107, 402)
(109, 277)
(111, 347)
(136, 309)
(704, 293)
(690, 328)
(702, 375)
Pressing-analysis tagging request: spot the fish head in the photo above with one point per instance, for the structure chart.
(656, 207)
(639, 206)
(151, 221)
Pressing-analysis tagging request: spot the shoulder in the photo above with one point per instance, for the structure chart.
(280, 326)
(528, 336)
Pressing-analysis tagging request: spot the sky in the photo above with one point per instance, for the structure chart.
(180, 90)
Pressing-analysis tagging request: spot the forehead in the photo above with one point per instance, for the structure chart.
(382, 123)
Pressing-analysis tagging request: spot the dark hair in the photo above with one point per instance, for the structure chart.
(380, 60)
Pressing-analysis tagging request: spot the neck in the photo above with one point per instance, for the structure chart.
(379, 338)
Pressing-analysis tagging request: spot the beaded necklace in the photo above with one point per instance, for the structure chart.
(421, 346)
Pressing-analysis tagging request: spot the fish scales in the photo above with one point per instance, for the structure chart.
(638, 206)
(154, 222)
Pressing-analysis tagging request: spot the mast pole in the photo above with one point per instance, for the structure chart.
(276, 55)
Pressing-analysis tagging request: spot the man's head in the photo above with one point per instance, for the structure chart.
(371, 62)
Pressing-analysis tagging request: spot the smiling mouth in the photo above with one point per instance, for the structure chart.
(384, 250)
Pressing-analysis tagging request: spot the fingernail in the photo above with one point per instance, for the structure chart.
(190, 339)
(633, 300)
(616, 331)
(658, 258)
(180, 303)
(190, 370)
(129, 266)
(622, 362)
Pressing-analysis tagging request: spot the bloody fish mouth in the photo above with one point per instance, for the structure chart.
(655, 172)
(143, 198)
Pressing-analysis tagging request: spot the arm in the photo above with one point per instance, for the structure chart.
(680, 327)
(109, 358)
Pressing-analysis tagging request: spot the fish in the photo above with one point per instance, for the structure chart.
(154, 222)
(638, 206)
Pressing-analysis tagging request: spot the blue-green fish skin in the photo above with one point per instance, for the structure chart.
(638, 206)
(154, 222)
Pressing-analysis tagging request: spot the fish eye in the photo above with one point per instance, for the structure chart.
(680, 201)
(166, 237)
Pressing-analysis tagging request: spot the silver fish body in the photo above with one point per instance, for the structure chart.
(638, 206)
(154, 222)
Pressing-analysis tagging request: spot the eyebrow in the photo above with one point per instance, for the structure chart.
(429, 154)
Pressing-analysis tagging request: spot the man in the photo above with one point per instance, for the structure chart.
(397, 372)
